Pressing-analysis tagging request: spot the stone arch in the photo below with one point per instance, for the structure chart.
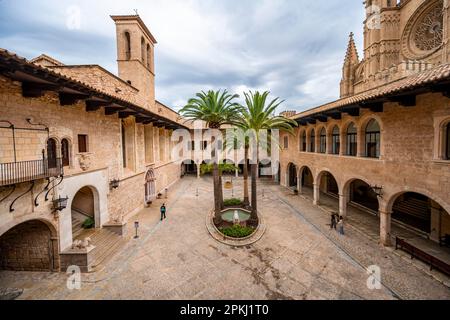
(322, 134)
(84, 205)
(306, 178)
(150, 187)
(291, 175)
(30, 245)
(321, 173)
(370, 203)
(189, 167)
(361, 127)
(66, 151)
(302, 139)
(422, 211)
(443, 147)
(394, 195)
(127, 39)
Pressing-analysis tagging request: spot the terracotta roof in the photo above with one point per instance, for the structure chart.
(420, 83)
(10, 63)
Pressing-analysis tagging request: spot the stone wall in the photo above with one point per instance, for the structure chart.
(27, 247)
(408, 161)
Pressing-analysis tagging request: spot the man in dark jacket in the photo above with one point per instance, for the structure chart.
(163, 212)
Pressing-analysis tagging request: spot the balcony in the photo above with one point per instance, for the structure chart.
(24, 171)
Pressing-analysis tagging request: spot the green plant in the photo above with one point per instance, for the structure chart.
(237, 231)
(89, 223)
(232, 202)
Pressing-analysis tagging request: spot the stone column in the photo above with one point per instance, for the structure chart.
(299, 184)
(198, 171)
(237, 173)
(316, 188)
(385, 228)
(343, 201)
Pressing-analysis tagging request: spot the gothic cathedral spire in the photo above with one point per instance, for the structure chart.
(348, 71)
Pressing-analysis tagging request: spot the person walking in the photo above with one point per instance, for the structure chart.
(163, 211)
(340, 226)
(333, 221)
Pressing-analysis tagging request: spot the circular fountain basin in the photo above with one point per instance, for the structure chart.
(228, 215)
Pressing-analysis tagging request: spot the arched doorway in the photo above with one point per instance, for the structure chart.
(328, 184)
(307, 178)
(29, 246)
(51, 153)
(65, 152)
(188, 167)
(292, 176)
(83, 211)
(150, 187)
(363, 195)
(265, 169)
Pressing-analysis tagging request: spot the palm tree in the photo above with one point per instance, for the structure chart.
(215, 108)
(256, 118)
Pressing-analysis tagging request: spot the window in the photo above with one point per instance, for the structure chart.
(204, 145)
(127, 46)
(352, 142)
(162, 145)
(82, 143)
(65, 152)
(149, 56)
(303, 142)
(336, 141)
(51, 153)
(373, 137)
(143, 50)
(447, 146)
(286, 142)
(323, 141)
(312, 141)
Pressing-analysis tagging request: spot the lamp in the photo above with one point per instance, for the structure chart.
(114, 184)
(378, 191)
(60, 204)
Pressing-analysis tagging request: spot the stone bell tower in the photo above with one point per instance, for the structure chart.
(135, 56)
(348, 71)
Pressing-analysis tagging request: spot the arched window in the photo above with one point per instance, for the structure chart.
(65, 152)
(336, 141)
(312, 141)
(447, 145)
(127, 46)
(286, 142)
(352, 140)
(143, 50)
(51, 153)
(323, 141)
(149, 56)
(373, 137)
(304, 142)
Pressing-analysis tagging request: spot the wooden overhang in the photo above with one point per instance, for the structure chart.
(36, 80)
(403, 91)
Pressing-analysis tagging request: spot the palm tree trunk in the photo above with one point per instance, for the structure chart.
(254, 168)
(220, 185)
(246, 196)
(217, 205)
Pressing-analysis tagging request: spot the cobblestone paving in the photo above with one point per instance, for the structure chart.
(298, 258)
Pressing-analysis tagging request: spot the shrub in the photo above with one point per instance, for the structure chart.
(232, 202)
(237, 231)
(89, 223)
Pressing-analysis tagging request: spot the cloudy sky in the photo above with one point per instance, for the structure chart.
(294, 48)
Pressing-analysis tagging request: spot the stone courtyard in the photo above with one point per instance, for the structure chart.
(297, 258)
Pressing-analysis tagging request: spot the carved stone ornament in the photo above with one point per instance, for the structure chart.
(423, 33)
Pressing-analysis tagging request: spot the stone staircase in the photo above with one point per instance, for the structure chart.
(106, 244)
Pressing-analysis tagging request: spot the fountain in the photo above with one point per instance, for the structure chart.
(236, 218)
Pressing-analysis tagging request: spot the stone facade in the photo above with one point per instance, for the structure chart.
(400, 38)
(98, 148)
(404, 154)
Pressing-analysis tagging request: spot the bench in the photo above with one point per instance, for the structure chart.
(417, 253)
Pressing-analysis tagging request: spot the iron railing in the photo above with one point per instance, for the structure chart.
(25, 171)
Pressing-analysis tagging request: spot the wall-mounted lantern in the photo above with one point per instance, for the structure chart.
(378, 191)
(60, 204)
(114, 184)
